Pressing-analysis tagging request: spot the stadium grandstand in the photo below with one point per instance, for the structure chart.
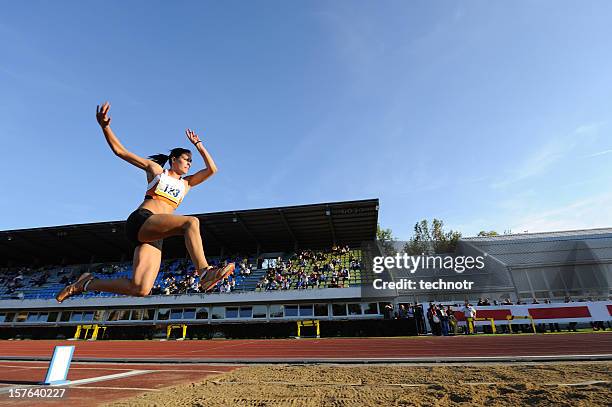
(296, 263)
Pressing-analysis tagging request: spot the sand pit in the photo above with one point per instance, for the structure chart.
(565, 384)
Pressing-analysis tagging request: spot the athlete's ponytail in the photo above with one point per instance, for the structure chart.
(162, 159)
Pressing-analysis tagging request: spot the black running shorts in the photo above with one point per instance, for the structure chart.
(134, 223)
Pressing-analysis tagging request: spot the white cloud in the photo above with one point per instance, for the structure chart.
(598, 154)
(585, 213)
(549, 154)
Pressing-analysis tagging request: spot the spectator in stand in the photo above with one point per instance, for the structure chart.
(388, 311)
(452, 320)
(443, 319)
(402, 313)
(411, 320)
(470, 314)
(419, 315)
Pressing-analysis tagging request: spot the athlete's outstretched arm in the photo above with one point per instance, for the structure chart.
(210, 169)
(115, 145)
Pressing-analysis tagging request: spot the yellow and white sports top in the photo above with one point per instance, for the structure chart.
(167, 189)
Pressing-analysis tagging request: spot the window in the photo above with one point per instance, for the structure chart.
(2, 317)
(259, 311)
(76, 316)
(123, 315)
(163, 314)
(32, 317)
(136, 315)
(306, 310)
(148, 314)
(370, 308)
(339, 310)
(354, 309)
(276, 311)
(246, 312)
(231, 312)
(99, 315)
(320, 310)
(291, 310)
(176, 313)
(65, 316)
(218, 313)
(88, 316)
(202, 313)
(189, 313)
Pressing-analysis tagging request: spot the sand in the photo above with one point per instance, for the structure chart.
(395, 385)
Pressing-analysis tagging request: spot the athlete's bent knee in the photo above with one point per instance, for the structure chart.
(192, 222)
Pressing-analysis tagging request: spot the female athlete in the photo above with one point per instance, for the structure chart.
(154, 220)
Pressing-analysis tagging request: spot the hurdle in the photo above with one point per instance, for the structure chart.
(57, 373)
(314, 323)
(513, 317)
(95, 328)
(491, 320)
(177, 326)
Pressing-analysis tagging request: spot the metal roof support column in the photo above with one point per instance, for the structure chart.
(284, 218)
(328, 212)
(209, 232)
(246, 229)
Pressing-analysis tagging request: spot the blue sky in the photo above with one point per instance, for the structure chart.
(488, 115)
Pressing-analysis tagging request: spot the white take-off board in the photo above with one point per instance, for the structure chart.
(60, 363)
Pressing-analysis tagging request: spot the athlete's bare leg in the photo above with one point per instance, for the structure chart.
(147, 259)
(160, 226)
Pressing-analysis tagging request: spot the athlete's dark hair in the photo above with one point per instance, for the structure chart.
(161, 159)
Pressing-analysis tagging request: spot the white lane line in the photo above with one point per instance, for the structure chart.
(115, 368)
(81, 381)
(116, 388)
(107, 377)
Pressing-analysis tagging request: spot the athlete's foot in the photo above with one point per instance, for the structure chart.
(215, 274)
(75, 288)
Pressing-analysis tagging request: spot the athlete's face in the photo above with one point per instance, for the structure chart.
(182, 164)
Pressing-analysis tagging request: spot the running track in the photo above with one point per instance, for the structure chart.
(320, 350)
(22, 363)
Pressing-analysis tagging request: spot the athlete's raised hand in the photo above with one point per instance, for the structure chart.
(101, 115)
(192, 136)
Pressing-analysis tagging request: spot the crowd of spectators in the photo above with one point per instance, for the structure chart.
(184, 278)
(442, 320)
(310, 269)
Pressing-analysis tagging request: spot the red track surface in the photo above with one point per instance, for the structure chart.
(332, 348)
(21, 374)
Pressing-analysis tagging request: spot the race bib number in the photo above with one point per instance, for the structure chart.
(172, 192)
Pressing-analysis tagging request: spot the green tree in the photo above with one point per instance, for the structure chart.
(484, 233)
(386, 240)
(432, 240)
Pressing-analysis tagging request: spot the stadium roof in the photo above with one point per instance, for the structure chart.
(315, 226)
(547, 249)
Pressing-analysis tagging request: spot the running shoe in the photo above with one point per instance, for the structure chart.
(75, 288)
(213, 275)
